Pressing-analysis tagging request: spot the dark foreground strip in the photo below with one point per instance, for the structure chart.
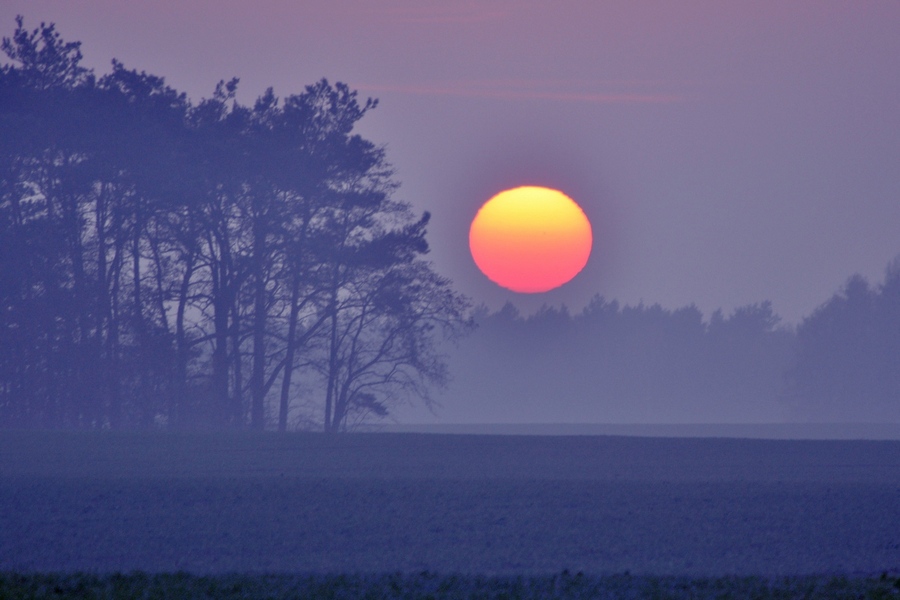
(436, 587)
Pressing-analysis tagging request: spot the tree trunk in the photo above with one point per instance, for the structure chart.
(332, 365)
(181, 346)
(106, 372)
(139, 325)
(220, 363)
(257, 377)
(289, 355)
(86, 348)
(237, 402)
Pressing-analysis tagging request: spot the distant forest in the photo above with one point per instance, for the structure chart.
(180, 265)
(638, 364)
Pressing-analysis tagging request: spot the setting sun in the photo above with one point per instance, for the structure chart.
(530, 239)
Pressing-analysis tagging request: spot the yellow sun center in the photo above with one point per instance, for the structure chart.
(530, 239)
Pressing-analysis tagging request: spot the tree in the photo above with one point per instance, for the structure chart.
(86, 159)
(849, 354)
(887, 345)
(166, 263)
(45, 196)
(837, 374)
(388, 311)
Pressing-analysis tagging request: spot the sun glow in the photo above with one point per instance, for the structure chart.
(530, 239)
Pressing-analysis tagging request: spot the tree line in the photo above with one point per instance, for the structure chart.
(210, 264)
(645, 363)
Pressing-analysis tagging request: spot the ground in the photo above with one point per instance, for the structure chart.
(493, 505)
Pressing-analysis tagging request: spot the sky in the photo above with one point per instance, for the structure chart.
(725, 153)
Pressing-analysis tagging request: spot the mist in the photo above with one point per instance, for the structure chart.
(647, 365)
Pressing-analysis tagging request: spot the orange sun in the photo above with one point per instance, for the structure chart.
(530, 239)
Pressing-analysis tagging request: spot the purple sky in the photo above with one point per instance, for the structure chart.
(726, 153)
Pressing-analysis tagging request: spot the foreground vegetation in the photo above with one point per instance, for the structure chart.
(434, 586)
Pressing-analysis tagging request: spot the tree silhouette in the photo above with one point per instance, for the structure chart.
(170, 264)
(386, 312)
(625, 364)
(849, 353)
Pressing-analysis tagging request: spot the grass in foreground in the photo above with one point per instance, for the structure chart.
(432, 586)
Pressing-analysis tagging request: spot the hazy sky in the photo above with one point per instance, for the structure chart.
(726, 153)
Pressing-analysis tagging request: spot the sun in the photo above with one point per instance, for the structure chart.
(530, 239)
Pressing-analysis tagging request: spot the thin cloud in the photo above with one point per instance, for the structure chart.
(435, 14)
(464, 17)
(529, 90)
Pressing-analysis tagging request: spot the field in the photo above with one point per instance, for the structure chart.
(505, 507)
(562, 586)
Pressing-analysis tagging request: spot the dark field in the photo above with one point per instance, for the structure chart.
(562, 586)
(489, 505)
